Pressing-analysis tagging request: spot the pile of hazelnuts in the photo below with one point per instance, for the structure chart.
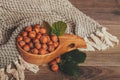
(35, 40)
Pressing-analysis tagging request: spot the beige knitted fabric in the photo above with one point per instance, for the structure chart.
(16, 14)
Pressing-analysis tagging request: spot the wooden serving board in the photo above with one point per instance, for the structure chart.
(100, 65)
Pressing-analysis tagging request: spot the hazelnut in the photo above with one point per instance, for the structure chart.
(31, 45)
(42, 51)
(26, 47)
(19, 38)
(43, 39)
(37, 28)
(43, 30)
(53, 62)
(55, 67)
(50, 42)
(54, 38)
(27, 39)
(32, 34)
(21, 43)
(55, 44)
(24, 34)
(58, 59)
(38, 45)
(38, 36)
(48, 38)
(28, 28)
(34, 51)
(36, 40)
(44, 46)
(51, 48)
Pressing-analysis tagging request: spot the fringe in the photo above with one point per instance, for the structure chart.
(3, 76)
(100, 40)
(18, 72)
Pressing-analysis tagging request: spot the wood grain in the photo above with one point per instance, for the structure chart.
(100, 65)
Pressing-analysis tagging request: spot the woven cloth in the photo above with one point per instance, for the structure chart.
(17, 14)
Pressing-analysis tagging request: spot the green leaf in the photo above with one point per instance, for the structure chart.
(70, 68)
(69, 62)
(47, 26)
(59, 28)
(75, 55)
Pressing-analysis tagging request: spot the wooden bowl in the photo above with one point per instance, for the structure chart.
(68, 42)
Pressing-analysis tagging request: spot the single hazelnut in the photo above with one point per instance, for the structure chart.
(53, 62)
(42, 51)
(28, 28)
(38, 45)
(22, 43)
(43, 39)
(54, 38)
(38, 35)
(24, 34)
(55, 44)
(34, 51)
(58, 59)
(44, 46)
(26, 47)
(43, 30)
(31, 45)
(51, 48)
(37, 28)
(32, 34)
(35, 40)
(48, 38)
(50, 42)
(55, 67)
(27, 39)
(19, 38)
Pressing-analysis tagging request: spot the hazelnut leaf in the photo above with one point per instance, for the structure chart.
(59, 28)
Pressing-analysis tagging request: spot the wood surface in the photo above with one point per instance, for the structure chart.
(100, 65)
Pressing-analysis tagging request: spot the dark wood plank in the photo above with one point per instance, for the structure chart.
(86, 73)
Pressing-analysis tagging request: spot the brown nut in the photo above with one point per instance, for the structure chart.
(58, 59)
(35, 40)
(37, 28)
(32, 34)
(24, 34)
(26, 47)
(53, 62)
(48, 39)
(43, 39)
(54, 68)
(54, 38)
(28, 28)
(51, 48)
(27, 39)
(42, 51)
(31, 45)
(50, 42)
(43, 30)
(44, 46)
(38, 45)
(38, 35)
(55, 44)
(22, 43)
(34, 51)
(19, 38)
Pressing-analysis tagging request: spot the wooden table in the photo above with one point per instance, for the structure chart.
(100, 65)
